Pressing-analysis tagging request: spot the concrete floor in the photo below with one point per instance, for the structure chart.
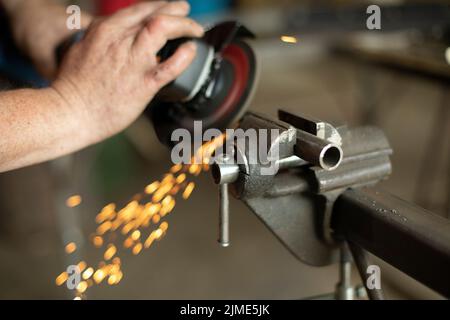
(188, 264)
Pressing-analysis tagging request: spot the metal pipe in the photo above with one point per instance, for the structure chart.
(224, 173)
(224, 216)
(318, 151)
(413, 240)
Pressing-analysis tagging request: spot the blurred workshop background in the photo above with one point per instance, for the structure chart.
(328, 66)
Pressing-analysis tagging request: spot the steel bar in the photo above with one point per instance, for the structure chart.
(362, 263)
(344, 289)
(228, 172)
(224, 216)
(408, 237)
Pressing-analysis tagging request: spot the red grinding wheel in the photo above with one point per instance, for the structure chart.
(239, 60)
(238, 79)
(218, 106)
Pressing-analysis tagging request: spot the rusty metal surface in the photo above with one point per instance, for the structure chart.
(406, 236)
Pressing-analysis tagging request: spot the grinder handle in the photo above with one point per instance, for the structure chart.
(182, 89)
(165, 53)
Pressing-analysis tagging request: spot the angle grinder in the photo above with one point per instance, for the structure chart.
(215, 89)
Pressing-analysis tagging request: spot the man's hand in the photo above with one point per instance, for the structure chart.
(39, 26)
(113, 74)
(103, 85)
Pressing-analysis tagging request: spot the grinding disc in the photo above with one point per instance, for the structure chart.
(235, 86)
(221, 102)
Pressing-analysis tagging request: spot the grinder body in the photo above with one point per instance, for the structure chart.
(214, 89)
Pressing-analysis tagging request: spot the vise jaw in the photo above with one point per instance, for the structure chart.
(316, 163)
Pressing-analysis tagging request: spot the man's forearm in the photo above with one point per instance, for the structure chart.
(11, 5)
(23, 14)
(36, 126)
(39, 26)
(15, 7)
(104, 84)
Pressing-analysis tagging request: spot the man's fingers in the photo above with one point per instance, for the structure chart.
(136, 14)
(175, 27)
(162, 28)
(176, 8)
(173, 67)
(139, 13)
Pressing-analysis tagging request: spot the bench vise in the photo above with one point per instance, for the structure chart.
(316, 163)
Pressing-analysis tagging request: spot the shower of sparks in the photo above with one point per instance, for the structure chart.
(73, 201)
(139, 223)
(289, 39)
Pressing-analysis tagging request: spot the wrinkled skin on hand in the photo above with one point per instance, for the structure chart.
(112, 75)
(39, 26)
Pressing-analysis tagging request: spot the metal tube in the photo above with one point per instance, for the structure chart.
(224, 173)
(224, 216)
(409, 238)
(317, 151)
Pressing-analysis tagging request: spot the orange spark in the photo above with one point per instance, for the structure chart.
(188, 191)
(73, 201)
(70, 248)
